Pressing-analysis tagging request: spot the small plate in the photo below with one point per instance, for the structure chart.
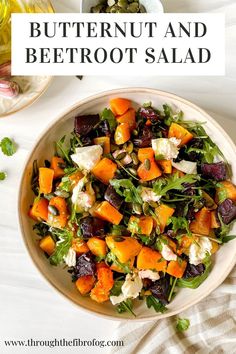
(32, 87)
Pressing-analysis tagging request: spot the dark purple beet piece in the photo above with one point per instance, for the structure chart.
(144, 138)
(85, 265)
(113, 198)
(104, 128)
(92, 227)
(149, 113)
(84, 124)
(217, 171)
(194, 270)
(160, 289)
(227, 211)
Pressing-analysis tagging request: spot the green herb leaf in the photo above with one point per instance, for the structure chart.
(35, 178)
(182, 324)
(228, 238)
(62, 246)
(62, 150)
(151, 301)
(163, 185)
(41, 229)
(109, 116)
(125, 188)
(111, 258)
(3, 176)
(179, 223)
(116, 290)
(126, 306)
(195, 282)
(7, 146)
(171, 117)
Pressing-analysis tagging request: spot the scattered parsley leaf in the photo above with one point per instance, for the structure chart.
(182, 324)
(151, 301)
(2, 176)
(109, 116)
(62, 246)
(7, 146)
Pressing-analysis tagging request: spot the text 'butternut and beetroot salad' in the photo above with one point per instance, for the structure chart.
(135, 203)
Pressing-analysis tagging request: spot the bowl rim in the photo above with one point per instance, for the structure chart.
(57, 120)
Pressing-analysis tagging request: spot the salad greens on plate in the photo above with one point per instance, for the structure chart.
(135, 203)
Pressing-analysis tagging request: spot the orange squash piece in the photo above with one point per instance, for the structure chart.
(214, 222)
(97, 246)
(85, 284)
(178, 172)
(105, 170)
(163, 213)
(55, 165)
(122, 133)
(75, 177)
(39, 210)
(128, 117)
(145, 153)
(105, 143)
(144, 225)
(150, 259)
(79, 246)
(202, 223)
(124, 248)
(228, 188)
(118, 269)
(106, 211)
(176, 268)
(45, 180)
(100, 293)
(166, 166)
(47, 244)
(149, 174)
(177, 131)
(60, 220)
(120, 106)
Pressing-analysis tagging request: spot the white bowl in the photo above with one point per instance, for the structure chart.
(154, 6)
(43, 149)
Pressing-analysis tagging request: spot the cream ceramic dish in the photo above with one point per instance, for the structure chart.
(59, 278)
(154, 6)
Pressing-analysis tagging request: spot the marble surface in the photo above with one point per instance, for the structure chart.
(29, 307)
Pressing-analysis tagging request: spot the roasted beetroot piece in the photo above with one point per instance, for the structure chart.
(92, 227)
(113, 198)
(227, 211)
(149, 113)
(85, 124)
(144, 138)
(193, 271)
(103, 128)
(216, 171)
(85, 265)
(160, 289)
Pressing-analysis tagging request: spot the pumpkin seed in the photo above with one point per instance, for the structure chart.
(129, 147)
(48, 196)
(119, 239)
(147, 164)
(133, 7)
(153, 204)
(146, 208)
(135, 159)
(62, 194)
(123, 4)
(158, 230)
(132, 171)
(142, 9)
(137, 208)
(135, 132)
(53, 210)
(121, 156)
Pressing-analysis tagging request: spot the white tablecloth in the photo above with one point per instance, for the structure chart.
(29, 307)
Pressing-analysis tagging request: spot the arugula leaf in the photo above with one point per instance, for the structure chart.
(195, 282)
(3, 176)
(182, 324)
(62, 246)
(163, 185)
(41, 229)
(65, 184)
(126, 306)
(7, 146)
(109, 116)
(61, 150)
(179, 223)
(118, 230)
(35, 178)
(116, 290)
(151, 301)
(228, 238)
(111, 258)
(170, 116)
(125, 188)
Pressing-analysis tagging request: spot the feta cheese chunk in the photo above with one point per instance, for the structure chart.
(199, 249)
(130, 289)
(186, 166)
(148, 195)
(87, 157)
(83, 200)
(149, 274)
(70, 258)
(168, 254)
(166, 148)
